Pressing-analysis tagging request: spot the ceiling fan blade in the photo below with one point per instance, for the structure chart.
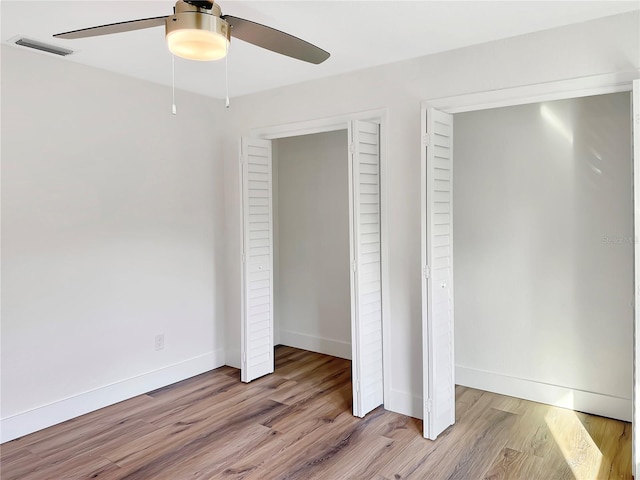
(275, 40)
(114, 28)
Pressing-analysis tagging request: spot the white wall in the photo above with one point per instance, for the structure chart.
(111, 215)
(543, 232)
(600, 47)
(313, 243)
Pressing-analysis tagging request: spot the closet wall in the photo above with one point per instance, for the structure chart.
(543, 238)
(311, 235)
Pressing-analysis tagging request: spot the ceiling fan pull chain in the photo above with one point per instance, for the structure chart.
(226, 73)
(173, 84)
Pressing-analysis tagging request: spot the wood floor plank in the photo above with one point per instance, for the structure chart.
(181, 409)
(194, 460)
(416, 453)
(508, 404)
(204, 387)
(368, 449)
(283, 452)
(616, 457)
(191, 434)
(513, 465)
(292, 372)
(482, 444)
(294, 392)
(99, 436)
(398, 427)
(120, 412)
(81, 466)
(197, 383)
(297, 424)
(310, 456)
(20, 464)
(305, 416)
(466, 398)
(578, 449)
(533, 436)
(361, 459)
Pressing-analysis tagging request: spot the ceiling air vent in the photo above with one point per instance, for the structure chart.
(44, 47)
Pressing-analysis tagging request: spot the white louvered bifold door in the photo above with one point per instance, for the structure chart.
(437, 275)
(366, 292)
(257, 268)
(636, 361)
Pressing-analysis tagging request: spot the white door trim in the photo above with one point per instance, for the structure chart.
(319, 125)
(341, 122)
(540, 92)
(556, 90)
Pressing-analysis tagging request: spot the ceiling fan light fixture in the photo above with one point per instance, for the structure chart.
(197, 44)
(197, 36)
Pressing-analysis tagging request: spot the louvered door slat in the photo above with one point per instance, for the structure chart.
(257, 322)
(366, 286)
(438, 363)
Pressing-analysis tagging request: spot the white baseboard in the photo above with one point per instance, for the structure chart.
(580, 400)
(62, 410)
(404, 403)
(336, 348)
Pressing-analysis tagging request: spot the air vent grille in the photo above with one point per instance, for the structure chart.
(44, 47)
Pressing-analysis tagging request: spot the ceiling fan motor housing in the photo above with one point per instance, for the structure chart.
(191, 25)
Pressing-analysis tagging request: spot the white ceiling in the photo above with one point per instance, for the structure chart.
(359, 34)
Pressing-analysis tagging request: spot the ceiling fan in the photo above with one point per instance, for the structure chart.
(197, 30)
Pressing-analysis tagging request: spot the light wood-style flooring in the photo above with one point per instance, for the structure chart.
(297, 424)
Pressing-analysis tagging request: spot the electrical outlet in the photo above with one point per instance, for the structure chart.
(159, 341)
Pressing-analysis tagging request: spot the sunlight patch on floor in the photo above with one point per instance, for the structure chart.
(578, 448)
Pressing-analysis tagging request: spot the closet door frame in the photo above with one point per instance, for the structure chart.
(558, 90)
(343, 122)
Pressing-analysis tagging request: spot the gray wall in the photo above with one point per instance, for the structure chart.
(543, 226)
(111, 233)
(312, 268)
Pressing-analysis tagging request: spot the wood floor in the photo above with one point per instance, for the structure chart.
(297, 424)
